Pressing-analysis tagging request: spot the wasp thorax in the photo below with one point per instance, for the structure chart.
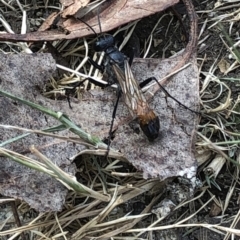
(104, 43)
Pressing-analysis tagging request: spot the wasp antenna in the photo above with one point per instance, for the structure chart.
(168, 94)
(88, 26)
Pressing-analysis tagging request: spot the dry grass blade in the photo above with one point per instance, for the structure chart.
(62, 118)
(69, 181)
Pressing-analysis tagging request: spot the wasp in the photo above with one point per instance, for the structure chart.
(128, 87)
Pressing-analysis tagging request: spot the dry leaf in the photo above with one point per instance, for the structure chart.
(66, 3)
(215, 210)
(74, 8)
(223, 65)
(113, 14)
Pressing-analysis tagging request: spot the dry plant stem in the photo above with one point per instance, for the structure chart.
(137, 190)
(25, 161)
(191, 46)
(233, 225)
(229, 196)
(16, 216)
(29, 227)
(45, 223)
(6, 200)
(8, 5)
(177, 207)
(131, 223)
(59, 226)
(216, 148)
(208, 226)
(67, 180)
(68, 139)
(230, 193)
(62, 118)
(99, 152)
(114, 202)
(125, 40)
(216, 164)
(178, 224)
(8, 28)
(125, 194)
(81, 74)
(149, 39)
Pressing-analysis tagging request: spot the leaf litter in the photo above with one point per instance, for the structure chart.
(214, 128)
(29, 186)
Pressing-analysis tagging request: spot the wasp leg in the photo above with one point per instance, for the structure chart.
(96, 65)
(70, 91)
(119, 92)
(148, 80)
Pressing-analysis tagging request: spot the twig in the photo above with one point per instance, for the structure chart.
(190, 48)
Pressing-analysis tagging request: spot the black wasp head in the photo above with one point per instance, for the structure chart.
(104, 43)
(150, 127)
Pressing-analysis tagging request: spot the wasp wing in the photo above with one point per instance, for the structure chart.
(133, 97)
(136, 102)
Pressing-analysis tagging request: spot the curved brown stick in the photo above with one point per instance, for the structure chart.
(189, 50)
